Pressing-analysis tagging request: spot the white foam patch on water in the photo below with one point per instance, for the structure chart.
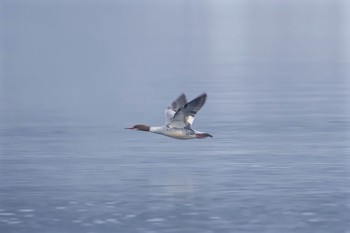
(215, 218)
(308, 213)
(73, 202)
(61, 207)
(99, 221)
(155, 220)
(314, 220)
(111, 203)
(26, 210)
(112, 220)
(12, 221)
(130, 216)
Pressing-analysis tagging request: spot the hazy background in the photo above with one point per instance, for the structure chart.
(90, 57)
(74, 73)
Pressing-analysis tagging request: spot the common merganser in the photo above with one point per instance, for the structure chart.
(179, 117)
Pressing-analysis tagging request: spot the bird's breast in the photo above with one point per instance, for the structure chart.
(181, 133)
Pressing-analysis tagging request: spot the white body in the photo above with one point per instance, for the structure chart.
(173, 132)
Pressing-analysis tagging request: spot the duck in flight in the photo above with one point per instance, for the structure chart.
(179, 117)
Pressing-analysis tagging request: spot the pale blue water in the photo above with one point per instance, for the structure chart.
(279, 159)
(278, 162)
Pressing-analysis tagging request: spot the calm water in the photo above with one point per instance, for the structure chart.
(278, 162)
(278, 110)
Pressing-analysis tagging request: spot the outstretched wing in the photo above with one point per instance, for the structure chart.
(185, 115)
(174, 107)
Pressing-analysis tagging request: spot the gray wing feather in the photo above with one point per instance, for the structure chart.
(187, 112)
(178, 103)
(174, 107)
